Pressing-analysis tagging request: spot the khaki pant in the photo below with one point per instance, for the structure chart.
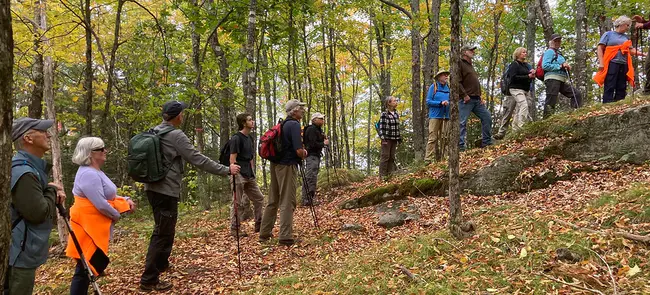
(19, 281)
(387, 160)
(437, 142)
(521, 114)
(282, 195)
(246, 189)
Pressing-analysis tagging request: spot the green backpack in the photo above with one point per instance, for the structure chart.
(146, 162)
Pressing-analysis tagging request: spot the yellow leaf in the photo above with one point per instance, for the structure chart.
(634, 270)
(464, 260)
(510, 237)
(492, 290)
(495, 239)
(75, 98)
(523, 253)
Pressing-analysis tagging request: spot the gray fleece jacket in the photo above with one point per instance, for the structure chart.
(176, 148)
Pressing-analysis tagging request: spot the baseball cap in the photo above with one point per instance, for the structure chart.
(292, 104)
(22, 125)
(172, 108)
(556, 36)
(467, 47)
(317, 116)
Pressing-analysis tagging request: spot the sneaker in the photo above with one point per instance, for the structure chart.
(233, 233)
(258, 225)
(160, 286)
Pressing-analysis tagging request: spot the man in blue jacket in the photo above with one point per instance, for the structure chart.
(438, 103)
(33, 209)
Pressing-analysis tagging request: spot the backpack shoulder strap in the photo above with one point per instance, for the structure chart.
(164, 131)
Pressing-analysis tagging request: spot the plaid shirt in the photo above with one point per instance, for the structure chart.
(389, 126)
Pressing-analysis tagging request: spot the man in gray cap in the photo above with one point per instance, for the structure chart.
(470, 100)
(33, 199)
(282, 192)
(163, 195)
(314, 140)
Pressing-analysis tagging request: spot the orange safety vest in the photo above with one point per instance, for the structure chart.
(93, 230)
(610, 53)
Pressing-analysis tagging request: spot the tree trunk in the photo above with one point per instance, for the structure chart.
(6, 119)
(48, 96)
(580, 67)
(344, 126)
(430, 65)
(264, 62)
(493, 56)
(605, 23)
(202, 177)
(456, 226)
(416, 87)
(545, 18)
(111, 69)
(369, 127)
(35, 108)
(88, 72)
(310, 90)
(531, 26)
(226, 92)
(334, 142)
(250, 75)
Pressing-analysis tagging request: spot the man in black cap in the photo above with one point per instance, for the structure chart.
(470, 100)
(33, 199)
(163, 195)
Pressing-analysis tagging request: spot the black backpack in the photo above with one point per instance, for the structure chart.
(506, 79)
(224, 155)
(146, 162)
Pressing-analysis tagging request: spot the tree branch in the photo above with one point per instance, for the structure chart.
(400, 8)
(571, 285)
(622, 234)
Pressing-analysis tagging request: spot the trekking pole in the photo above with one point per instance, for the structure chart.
(89, 273)
(575, 98)
(310, 195)
(234, 200)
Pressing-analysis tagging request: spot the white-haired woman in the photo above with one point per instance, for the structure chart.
(96, 207)
(521, 74)
(615, 62)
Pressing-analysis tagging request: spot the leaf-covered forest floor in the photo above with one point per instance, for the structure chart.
(514, 250)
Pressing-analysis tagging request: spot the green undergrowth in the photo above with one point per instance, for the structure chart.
(330, 178)
(512, 251)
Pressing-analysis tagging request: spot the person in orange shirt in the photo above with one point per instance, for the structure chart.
(615, 62)
(96, 208)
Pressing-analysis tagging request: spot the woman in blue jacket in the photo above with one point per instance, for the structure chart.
(438, 103)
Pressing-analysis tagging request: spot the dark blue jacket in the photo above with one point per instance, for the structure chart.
(434, 101)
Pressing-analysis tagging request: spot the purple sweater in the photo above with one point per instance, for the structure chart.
(94, 185)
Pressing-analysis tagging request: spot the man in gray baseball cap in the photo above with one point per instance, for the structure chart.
(33, 199)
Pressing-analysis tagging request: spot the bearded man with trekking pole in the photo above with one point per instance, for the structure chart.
(643, 24)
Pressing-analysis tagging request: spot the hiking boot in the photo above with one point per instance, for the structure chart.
(169, 267)
(233, 233)
(160, 286)
(499, 136)
(258, 224)
(264, 239)
(289, 242)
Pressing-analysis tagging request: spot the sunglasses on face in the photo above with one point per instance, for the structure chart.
(102, 149)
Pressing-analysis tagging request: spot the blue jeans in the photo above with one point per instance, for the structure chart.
(474, 106)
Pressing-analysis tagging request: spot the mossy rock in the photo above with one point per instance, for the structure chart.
(420, 187)
(373, 197)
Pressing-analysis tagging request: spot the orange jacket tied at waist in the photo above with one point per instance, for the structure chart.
(610, 53)
(93, 230)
